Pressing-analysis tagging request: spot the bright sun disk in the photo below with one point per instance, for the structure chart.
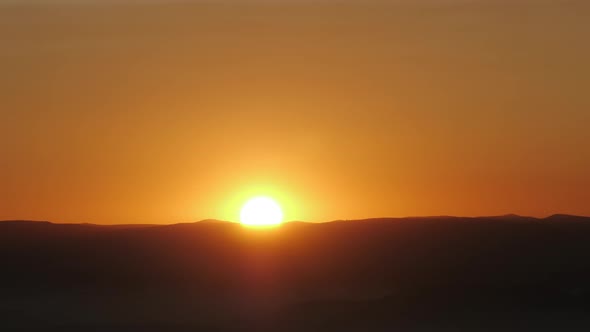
(261, 211)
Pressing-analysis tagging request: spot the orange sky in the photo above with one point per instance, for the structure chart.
(165, 112)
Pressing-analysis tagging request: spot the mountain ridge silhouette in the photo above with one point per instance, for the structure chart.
(408, 274)
(505, 217)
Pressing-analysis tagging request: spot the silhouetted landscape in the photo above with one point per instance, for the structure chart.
(506, 273)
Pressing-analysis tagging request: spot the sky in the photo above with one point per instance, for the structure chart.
(174, 111)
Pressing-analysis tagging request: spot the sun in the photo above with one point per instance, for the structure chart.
(261, 211)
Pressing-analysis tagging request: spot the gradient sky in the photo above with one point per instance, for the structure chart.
(169, 111)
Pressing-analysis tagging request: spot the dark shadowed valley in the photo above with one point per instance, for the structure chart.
(506, 273)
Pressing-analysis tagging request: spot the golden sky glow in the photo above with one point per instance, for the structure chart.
(175, 112)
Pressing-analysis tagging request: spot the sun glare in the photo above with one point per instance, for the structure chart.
(261, 211)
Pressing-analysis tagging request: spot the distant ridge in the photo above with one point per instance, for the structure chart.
(506, 217)
(566, 217)
(214, 221)
(26, 222)
(512, 217)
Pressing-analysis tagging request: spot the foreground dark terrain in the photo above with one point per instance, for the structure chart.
(416, 274)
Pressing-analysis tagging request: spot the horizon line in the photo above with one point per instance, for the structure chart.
(212, 220)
